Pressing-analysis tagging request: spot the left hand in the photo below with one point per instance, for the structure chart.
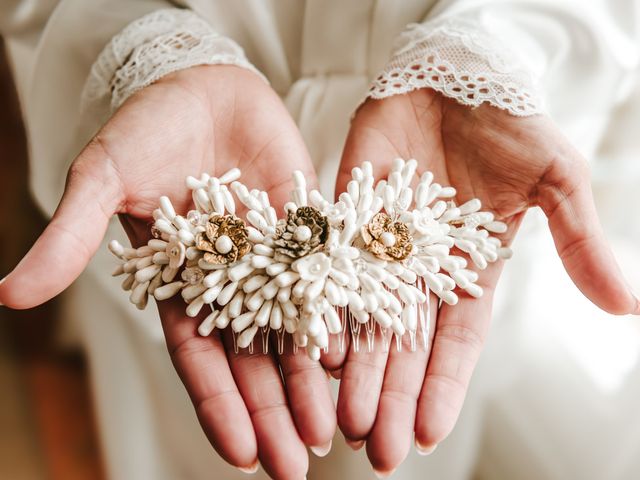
(510, 164)
(207, 118)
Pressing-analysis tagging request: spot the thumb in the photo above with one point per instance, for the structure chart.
(566, 197)
(93, 193)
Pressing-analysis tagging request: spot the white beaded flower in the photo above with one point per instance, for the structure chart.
(313, 268)
(176, 252)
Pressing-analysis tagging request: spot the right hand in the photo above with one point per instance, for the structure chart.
(511, 164)
(203, 119)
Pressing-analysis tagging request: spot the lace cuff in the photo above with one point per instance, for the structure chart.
(457, 59)
(153, 46)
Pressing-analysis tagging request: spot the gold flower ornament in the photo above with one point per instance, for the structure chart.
(387, 239)
(225, 239)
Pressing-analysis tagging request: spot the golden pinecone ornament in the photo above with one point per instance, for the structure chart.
(303, 232)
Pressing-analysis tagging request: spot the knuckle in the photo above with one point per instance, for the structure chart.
(254, 366)
(77, 171)
(189, 347)
(363, 371)
(95, 149)
(565, 174)
(276, 408)
(212, 401)
(447, 385)
(79, 242)
(94, 169)
(308, 373)
(405, 398)
(576, 247)
(467, 337)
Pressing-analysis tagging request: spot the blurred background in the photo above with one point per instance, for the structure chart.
(46, 417)
(555, 395)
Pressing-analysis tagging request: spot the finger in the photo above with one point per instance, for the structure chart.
(360, 386)
(201, 363)
(92, 195)
(280, 449)
(362, 372)
(309, 398)
(390, 440)
(459, 336)
(567, 200)
(333, 359)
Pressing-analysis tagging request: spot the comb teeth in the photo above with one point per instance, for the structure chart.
(235, 342)
(424, 316)
(265, 331)
(398, 343)
(372, 331)
(343, 312)
(384, 335)
(354, 325)
(280, 338)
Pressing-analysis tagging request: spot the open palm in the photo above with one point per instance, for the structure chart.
(510, 164)
(204, 119)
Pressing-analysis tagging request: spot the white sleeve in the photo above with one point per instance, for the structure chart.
(153, 46)
(525, 57)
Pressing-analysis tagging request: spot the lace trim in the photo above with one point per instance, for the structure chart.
(153, 46)
(460, 61)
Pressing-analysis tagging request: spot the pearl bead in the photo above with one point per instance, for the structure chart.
(223, 244)
(302, 233)
(388, 239)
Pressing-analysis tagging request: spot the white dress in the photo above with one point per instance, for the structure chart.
(320, 56)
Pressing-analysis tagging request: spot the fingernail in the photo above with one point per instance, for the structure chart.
(424, 451)
(321, 450)
(386, 474)
(637, 310)
(250, 470)
(355, 444)
(328, 374)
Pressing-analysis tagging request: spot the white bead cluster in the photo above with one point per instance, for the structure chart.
(344, 282)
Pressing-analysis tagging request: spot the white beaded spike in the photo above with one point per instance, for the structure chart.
(368, 262)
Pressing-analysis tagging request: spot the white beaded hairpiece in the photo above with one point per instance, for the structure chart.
(371, 258)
